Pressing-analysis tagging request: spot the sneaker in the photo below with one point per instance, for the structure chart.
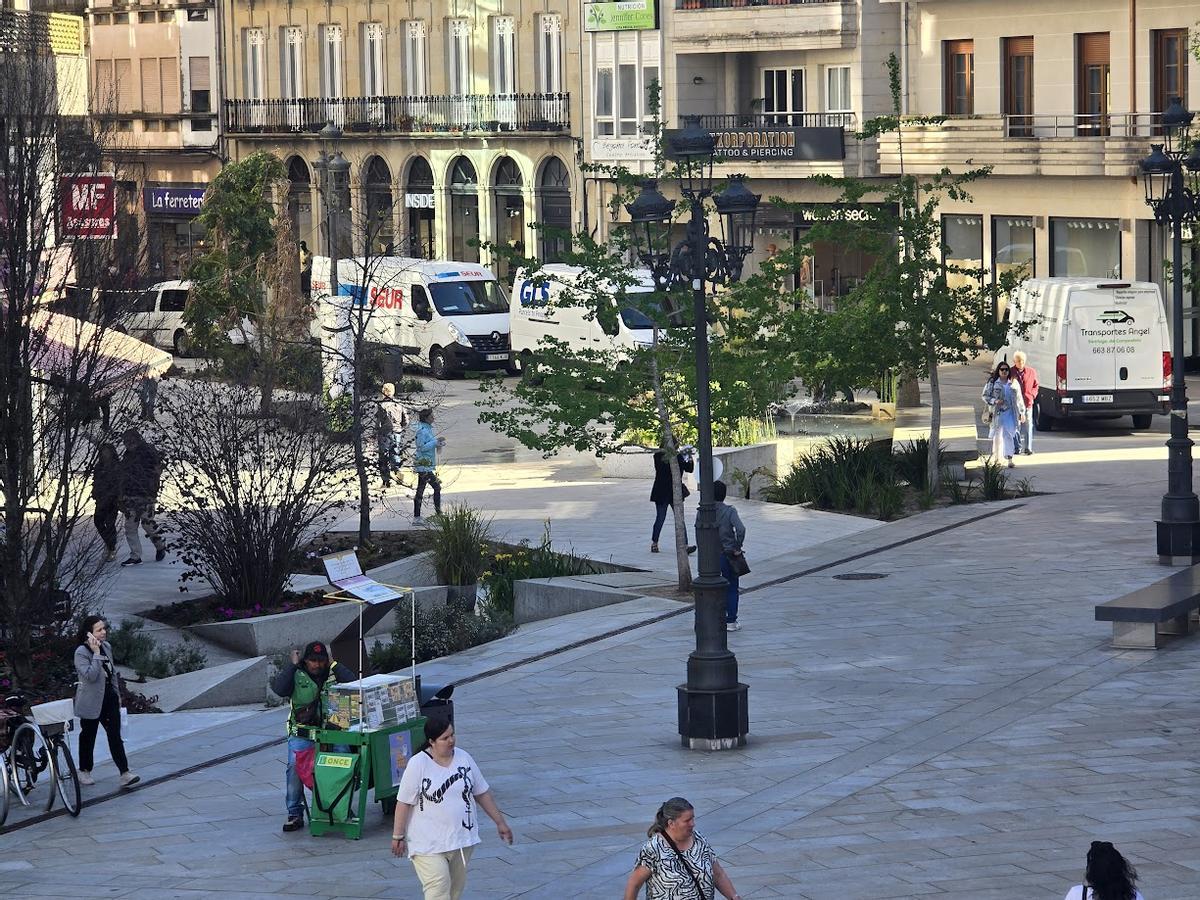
(293, 823)
(1027, 453)
(128, 779)
(417, 520)
(733, 626)
(86, 778)
(131, 562)
(160, 554)
(654, 547)
(110, 556)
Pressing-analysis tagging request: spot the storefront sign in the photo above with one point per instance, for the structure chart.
(419, 201)
(843, 212)
(621, 15)
(173, 201)
(88, 205)
(779, 142)
(621, 149)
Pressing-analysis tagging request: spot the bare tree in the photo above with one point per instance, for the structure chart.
(56, 204)
(244, 492)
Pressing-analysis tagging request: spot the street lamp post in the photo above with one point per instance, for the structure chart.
(332, 169)
(1175, 204)
(713, 704)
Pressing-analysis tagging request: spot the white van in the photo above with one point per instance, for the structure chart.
(541, 309)
(450, 316)
(1100, 348)
(157, 317)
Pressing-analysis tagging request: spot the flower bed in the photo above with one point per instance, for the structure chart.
(385, 547)
(205, 610)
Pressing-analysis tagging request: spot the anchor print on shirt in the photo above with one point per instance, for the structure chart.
(461, 774)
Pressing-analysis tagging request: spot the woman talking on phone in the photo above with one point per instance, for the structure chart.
(98, 700)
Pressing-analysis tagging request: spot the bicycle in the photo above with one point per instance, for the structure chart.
(34, 746)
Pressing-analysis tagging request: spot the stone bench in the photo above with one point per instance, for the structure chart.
(1142, 618)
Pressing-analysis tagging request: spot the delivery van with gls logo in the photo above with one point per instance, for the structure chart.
(449, 316)
(1100, 348)
(542, 307)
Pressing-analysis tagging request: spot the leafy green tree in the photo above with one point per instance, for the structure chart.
(603, 400)
(913, 311)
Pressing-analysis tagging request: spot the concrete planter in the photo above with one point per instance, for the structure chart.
(266, 635)
(632, 462)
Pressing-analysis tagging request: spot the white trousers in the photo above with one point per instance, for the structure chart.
(443, 875)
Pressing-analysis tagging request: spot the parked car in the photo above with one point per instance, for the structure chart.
(157, 317)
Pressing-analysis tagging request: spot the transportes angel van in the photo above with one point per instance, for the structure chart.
(1100, 347)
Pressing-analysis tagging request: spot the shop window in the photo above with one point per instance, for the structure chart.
(1088, 247)
(962, 248)
(1012, 245)
(959, 74)
(554, 210)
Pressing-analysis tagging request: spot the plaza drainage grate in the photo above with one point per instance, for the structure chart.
(861, 576)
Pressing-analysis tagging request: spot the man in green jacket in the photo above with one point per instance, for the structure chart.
(306, 683)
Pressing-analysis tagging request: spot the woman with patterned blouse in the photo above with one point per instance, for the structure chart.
(677, 863)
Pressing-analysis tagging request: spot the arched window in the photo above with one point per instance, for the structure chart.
(419, 200)
(378, 188)
(299, 201)
(509, 190)
(554, 210)
(464, 210)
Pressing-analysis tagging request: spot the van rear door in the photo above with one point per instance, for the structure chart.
(1114, 341)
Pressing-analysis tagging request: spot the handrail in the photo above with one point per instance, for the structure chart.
(721, 121)
(472, 112)
(1039, 125)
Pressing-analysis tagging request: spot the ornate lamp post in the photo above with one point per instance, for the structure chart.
(713, 704)
(1175, 203)
(332, 171)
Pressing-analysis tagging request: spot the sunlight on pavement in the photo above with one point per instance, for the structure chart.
(1122, 454)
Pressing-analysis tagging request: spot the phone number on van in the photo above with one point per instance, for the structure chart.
(1118, 348)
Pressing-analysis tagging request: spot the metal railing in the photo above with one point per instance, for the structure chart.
(408, 115)
(730, 4)
(725, 121)
(1102, 125)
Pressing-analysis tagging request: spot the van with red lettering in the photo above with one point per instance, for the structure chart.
(447, 316)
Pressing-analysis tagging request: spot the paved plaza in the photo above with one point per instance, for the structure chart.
(959, 728)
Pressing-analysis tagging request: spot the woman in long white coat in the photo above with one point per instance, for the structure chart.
(1002, 398)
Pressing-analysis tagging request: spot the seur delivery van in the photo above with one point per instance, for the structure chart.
(1100, 348)
(449, 316)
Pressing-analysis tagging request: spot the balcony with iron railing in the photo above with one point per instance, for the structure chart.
(1110, 144)
(487, 113)
(761, 25)
(724, 121)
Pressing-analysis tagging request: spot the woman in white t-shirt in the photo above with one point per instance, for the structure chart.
(1108, 876)
(437, 818)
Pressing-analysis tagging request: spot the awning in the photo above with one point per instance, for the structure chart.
(75, 350)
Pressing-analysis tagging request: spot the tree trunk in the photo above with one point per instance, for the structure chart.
(908, 393)
(935, 423)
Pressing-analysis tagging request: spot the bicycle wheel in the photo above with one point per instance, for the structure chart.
(30, 758)
(4, 788)
(66, 775)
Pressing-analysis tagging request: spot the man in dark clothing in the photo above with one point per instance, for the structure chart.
(305, 681)
(142, 465)
(106, 491)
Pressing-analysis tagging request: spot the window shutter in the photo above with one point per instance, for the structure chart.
(126, 88)
(151, 86)
(170, 85)
(106, 98)
(198, 70)
(1019, 46)
(1093, 48)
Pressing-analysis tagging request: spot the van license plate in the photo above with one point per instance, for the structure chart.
(1097, 398)
(496, 357)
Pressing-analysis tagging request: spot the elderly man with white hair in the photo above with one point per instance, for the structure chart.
(1027, 378)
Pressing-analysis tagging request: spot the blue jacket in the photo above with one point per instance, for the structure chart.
(425, 458)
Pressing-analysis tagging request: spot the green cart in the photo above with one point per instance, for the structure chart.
(370, 761)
